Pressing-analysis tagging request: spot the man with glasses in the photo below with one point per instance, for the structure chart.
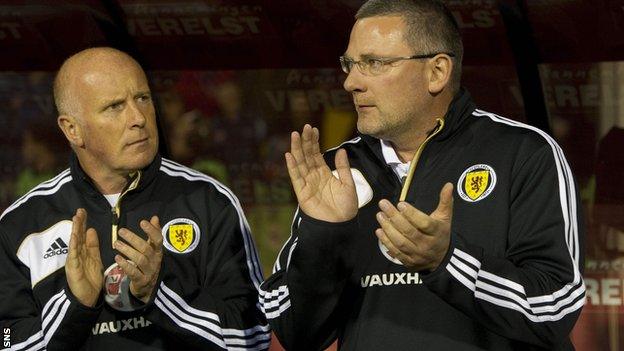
(442, 226)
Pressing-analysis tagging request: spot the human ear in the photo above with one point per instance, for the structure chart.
(72, 130)
(440, 69)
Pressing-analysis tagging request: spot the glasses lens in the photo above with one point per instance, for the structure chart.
(375, 66)
(346, 64)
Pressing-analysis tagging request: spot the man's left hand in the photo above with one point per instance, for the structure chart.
(418, 240)
(146, 257)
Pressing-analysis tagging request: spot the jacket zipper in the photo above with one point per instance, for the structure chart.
(117, 208)
(412, 169)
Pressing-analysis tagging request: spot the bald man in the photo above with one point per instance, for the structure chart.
(125, 249)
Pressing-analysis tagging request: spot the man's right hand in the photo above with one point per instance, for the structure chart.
(83, 266)
(320, 195)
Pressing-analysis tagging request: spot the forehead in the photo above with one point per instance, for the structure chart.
(115, 76)
(382, 35)
(112, 79)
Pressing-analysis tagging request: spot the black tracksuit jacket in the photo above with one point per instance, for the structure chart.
(511, 279)
(206, 295)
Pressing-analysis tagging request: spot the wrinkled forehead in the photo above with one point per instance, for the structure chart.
(101, 61)
(378, 36)
(105, 80)
(124, 73)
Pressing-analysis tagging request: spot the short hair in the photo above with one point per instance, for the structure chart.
(430, 27)
(62, 95)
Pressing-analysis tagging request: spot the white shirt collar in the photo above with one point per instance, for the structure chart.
(392, 159)
(112, 198)
(388, 153)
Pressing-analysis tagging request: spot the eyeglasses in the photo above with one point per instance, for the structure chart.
(373, 66)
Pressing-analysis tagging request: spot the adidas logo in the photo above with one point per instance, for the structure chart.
(58, 247)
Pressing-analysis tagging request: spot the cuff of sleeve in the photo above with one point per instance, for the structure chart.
(321, 235)
(323, 245)
(74, 323)
(74, 301)
(441, 271)
(138, 303)
(324, 225)
(429, 275)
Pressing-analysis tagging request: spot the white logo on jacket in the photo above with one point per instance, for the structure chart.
(120, 325)
(387, 279)
(43, 253)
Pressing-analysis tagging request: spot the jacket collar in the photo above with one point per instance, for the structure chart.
(85, 184)
(460, 108)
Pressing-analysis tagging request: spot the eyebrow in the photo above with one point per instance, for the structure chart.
(142, 92)
(368, 56)
(113, 101)
(364, 56)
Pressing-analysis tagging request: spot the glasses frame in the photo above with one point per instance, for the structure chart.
(364, 67)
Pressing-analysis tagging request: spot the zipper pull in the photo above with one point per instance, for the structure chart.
(136, 177)
(115, 224)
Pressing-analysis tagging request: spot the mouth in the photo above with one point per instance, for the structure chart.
(138, 142)
(364, 107)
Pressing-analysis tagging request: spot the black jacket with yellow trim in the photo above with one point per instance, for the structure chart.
(511, 279)
(206, 295)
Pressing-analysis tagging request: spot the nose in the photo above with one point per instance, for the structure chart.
(136, 116)
(355, 81)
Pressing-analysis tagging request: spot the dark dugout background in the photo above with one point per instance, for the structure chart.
(231, 79)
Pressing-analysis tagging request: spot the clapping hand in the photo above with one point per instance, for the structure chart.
(319, 193)
(418, 240)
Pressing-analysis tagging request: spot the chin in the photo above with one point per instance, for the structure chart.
(141, 161)
(367, 129)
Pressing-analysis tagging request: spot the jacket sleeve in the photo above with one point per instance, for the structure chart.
(217, 309)
(533, 292)
(303, 299)
(58, 323)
